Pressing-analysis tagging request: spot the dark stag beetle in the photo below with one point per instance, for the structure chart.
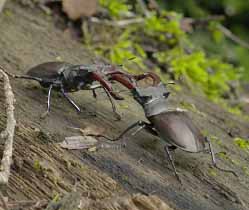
(65, 77)
(173, 126)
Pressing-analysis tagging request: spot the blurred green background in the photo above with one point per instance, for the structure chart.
(236, 19)
(199, 43)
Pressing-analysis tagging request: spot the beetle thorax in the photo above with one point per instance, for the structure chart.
(152, 99)
(74, 78)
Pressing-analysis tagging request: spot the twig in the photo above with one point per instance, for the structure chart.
(187, 23)
(143, 8)
(119, 23)
(2, 3)
(8, 133)
(232, 36)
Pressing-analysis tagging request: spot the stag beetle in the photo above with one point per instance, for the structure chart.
(173, 126)
(66, 77)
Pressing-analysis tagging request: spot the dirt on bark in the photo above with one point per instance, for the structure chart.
(42, 170)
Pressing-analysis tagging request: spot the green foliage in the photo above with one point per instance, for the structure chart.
(126, 48)
(196, 8)
(201, 72)
(219, 77)
(242, 56)
(115, 8)
(217, 35)
(236, 17)
(208, 74)
(164, 28)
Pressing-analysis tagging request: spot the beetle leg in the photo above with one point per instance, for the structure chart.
(138, 129)
(150, 128)
(94, 93)
(114, 109)
(93, 88)
(136, 124)
(48, 102)
(70, 100)
(49, 97)
(139, 123)
(169, 156)
(214, 160)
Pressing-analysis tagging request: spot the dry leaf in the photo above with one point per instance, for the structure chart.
(78, 142)
(78, 8)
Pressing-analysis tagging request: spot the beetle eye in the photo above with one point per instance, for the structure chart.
(166, 95)
(147, 98)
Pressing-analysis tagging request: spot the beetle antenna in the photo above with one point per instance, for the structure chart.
(214, 160)
(114, 109)
(21, 76)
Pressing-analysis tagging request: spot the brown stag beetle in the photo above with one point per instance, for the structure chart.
(173, 126)
(66, 77)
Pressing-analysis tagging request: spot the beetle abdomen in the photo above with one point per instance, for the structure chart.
(49, 70)
(177, 129)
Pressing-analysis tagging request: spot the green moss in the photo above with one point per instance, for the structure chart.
(212, 172)
(123, 105)
(245, 170)
(241, 143)
(125, 178)
(215, 140)
(8, 12)
(223, 155)
(226, 157)
(55, 196)
(37, 166)
(191, 107)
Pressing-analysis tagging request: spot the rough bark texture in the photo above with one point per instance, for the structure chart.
(8, 133)
(74, 201)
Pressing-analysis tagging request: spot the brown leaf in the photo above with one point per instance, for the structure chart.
(78, 142)
(78, 8)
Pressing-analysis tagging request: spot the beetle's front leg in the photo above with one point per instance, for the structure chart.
(70, 100)
(48, 102)
(114, 109)
(171, 160)
(140, 124)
